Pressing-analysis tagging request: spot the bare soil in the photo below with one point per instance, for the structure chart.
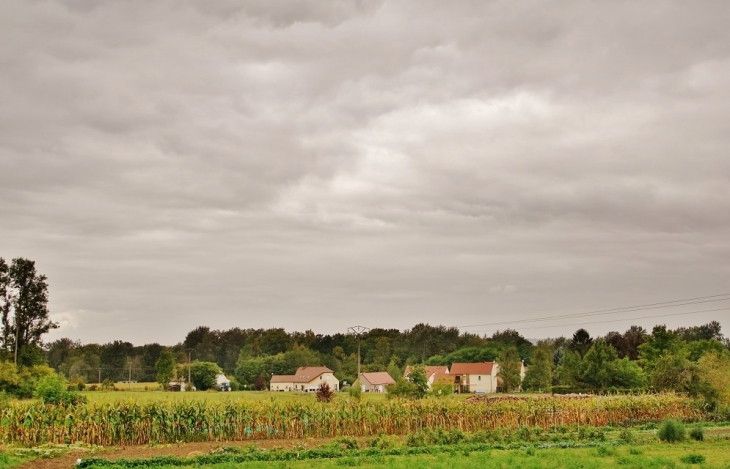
(68, 460)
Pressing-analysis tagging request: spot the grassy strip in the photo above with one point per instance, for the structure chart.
(325, 452)
(8, 460)
(711, 454)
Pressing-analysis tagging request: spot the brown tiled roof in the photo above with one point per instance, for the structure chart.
(472, 368)
(430, 370)
(282, 379)
(379, 377)
(304, 374)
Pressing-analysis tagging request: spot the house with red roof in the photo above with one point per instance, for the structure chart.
(306, 379)
(478, 378)
(375, 382)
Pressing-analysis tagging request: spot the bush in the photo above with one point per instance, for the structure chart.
(443, 387)
(697, 433)
(403, 388)
(692, 458)
(50, 389)
(356, 390)
(325, 393)
(626, 435)
(672, 431)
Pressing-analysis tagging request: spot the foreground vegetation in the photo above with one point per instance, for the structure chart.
(521, 448)
(131, 423)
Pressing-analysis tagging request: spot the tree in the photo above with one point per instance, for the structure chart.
(568, 372)
(539, 375)
(443, 387)
(24, 309)
(581, 342)
(597, 369)
(510, 368)
(203, 374)
(715, 372)
(674, 372)
(633, 338)
(165, 367)
(417, 376)
(660, 342)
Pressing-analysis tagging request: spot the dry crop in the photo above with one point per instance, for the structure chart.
(130, 423)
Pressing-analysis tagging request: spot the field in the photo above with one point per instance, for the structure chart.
(715, 454)
(142, 396)
(254, 430)
(574, 447)
(158, 422)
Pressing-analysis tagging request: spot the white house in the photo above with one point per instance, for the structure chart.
(375, 382)
(306, 379)
(479, 378)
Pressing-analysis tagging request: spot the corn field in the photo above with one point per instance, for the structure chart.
(130, 423)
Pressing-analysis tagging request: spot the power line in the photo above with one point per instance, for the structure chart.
(626, 319)
(626, 309)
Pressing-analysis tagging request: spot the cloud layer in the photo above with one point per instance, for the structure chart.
(178, 163)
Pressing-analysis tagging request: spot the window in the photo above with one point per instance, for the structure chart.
(479, 378)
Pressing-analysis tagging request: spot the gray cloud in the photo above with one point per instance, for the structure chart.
(309, 166)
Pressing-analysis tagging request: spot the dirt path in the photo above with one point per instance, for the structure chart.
(68, 460)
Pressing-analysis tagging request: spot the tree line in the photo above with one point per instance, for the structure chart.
(662, 359)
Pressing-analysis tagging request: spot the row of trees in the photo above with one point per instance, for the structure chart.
(681, 359)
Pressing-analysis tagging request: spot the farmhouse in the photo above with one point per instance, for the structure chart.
(479, 378)
(433, 374)
(375, 382)
(306, 379)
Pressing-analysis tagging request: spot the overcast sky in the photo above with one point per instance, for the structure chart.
(316, 165)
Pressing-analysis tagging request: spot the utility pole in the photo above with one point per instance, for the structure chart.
(190, 354)
(358, 331)
(99, 375)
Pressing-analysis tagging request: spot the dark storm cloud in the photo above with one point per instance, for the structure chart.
(303, 165)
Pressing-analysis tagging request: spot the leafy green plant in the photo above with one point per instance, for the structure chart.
(356, 390)
(697, 433)
(692, 458)
(672, 431)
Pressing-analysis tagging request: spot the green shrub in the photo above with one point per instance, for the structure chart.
(697, 433)
(672, 431)
(356, 390)
(50, 389)
(347, 442)
(626, 435)
(415, 439)
(692, 458)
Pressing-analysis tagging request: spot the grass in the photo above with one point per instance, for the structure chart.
(655, 455)
(153, 394)
(10, 460)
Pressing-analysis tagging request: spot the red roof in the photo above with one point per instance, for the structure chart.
(376, 378)
(472, 368)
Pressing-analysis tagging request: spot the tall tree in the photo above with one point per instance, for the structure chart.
(24, 309)
(581, 342)
(165, 367)
(510, 368)
(539, 375)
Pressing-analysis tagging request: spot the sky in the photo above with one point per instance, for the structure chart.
(319, 165)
